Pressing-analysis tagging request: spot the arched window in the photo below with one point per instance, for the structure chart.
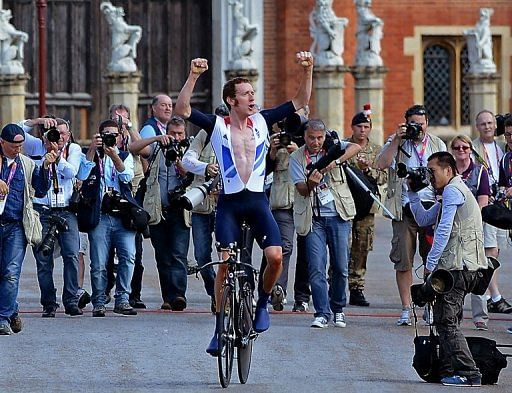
(437, 82)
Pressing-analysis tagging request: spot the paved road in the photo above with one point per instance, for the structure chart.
(162, 351)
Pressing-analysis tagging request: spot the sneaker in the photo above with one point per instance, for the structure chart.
(500, 307)
(300, 307)
(49, 311)
(339, 320)
(73, 310)
(124, 309)
(357, 298)
(277, 298)
(428, 316)
(481, 325)
(179, 303)
(83, 298)
(5, 329)
(108, 298)
(261, 318)
(99, 311)
(509, 330)
(16, 324)
(457, 380)
(405, 318)
(213, 347)
(165, 306)
(319, 322)
(137, 303)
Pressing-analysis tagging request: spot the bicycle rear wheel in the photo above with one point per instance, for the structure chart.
(244, 343)
(226, 335)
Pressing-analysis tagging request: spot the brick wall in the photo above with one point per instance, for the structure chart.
(287, 31)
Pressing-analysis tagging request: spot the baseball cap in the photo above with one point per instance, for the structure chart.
(10, 131)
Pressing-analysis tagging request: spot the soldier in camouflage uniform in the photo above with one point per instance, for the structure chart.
(363, 230)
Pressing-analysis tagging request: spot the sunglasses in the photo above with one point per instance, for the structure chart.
(507, 134)
(465, 148)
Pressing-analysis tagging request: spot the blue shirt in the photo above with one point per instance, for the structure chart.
(452, 198)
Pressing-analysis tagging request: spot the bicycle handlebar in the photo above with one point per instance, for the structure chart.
(229, 261)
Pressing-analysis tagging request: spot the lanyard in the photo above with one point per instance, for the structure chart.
(489, 162)
(12, 171)
(421, 153)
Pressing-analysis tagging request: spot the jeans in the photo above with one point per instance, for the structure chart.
(284, 220)
(170, 239)
(13, 245)
(69, 243)
(333, 232)
(202, 229)
(110, 233)
(301, 289)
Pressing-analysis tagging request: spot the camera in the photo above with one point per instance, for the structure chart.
(108, 140)
(291, 129)
(419, 177)
(500, 123)
(440, 281)
(176, 149)
(57, 224)
(196, 195)
(413, 130)
(52, 134)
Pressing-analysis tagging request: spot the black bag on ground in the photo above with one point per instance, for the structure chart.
(426, 357)
(362, 198)
(497, 215)
(488, 358)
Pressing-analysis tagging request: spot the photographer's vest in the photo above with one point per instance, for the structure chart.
(31, 222)
(303, 209)
(465, 246)
(152, 200)
(282, 190)
(206, 155)
(393, 200)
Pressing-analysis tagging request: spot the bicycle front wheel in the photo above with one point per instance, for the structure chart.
(244, 345)
(226, 335)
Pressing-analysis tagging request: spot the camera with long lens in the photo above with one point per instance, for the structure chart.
(175, 194)
(500, 123)
(52, 134)
(57, 224)
(176, 149)
(291, 130)
(413, 130)
(419, 177)
(440, 282)
(196, 195)
(108, 140)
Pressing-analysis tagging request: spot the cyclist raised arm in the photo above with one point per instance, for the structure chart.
(240, 142)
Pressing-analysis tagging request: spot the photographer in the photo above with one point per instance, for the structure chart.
(411, 145)
(457, 247)
(323, 210)
(108, 187)
(20, 181)
(169, 224)
(59, 224)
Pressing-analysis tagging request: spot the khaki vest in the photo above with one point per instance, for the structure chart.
(31, 222)
(206, 155)
(282, 190)
(393, 200)
(152, 200)
(466, 242)
(302, 208)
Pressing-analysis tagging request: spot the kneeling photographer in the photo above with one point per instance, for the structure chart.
(107, 187)
(169, 223)
(457, 247)
(59, 223)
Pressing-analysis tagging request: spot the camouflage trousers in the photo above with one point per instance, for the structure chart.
(362, 243)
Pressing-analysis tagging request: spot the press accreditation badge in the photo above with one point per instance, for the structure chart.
(324, 194)
(57, 200)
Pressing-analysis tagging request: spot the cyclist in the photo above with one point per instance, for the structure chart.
(240, 142)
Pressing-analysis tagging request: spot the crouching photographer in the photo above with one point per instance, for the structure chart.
(458, 248)
(59, 223)
(169, 223)
(107, 187)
